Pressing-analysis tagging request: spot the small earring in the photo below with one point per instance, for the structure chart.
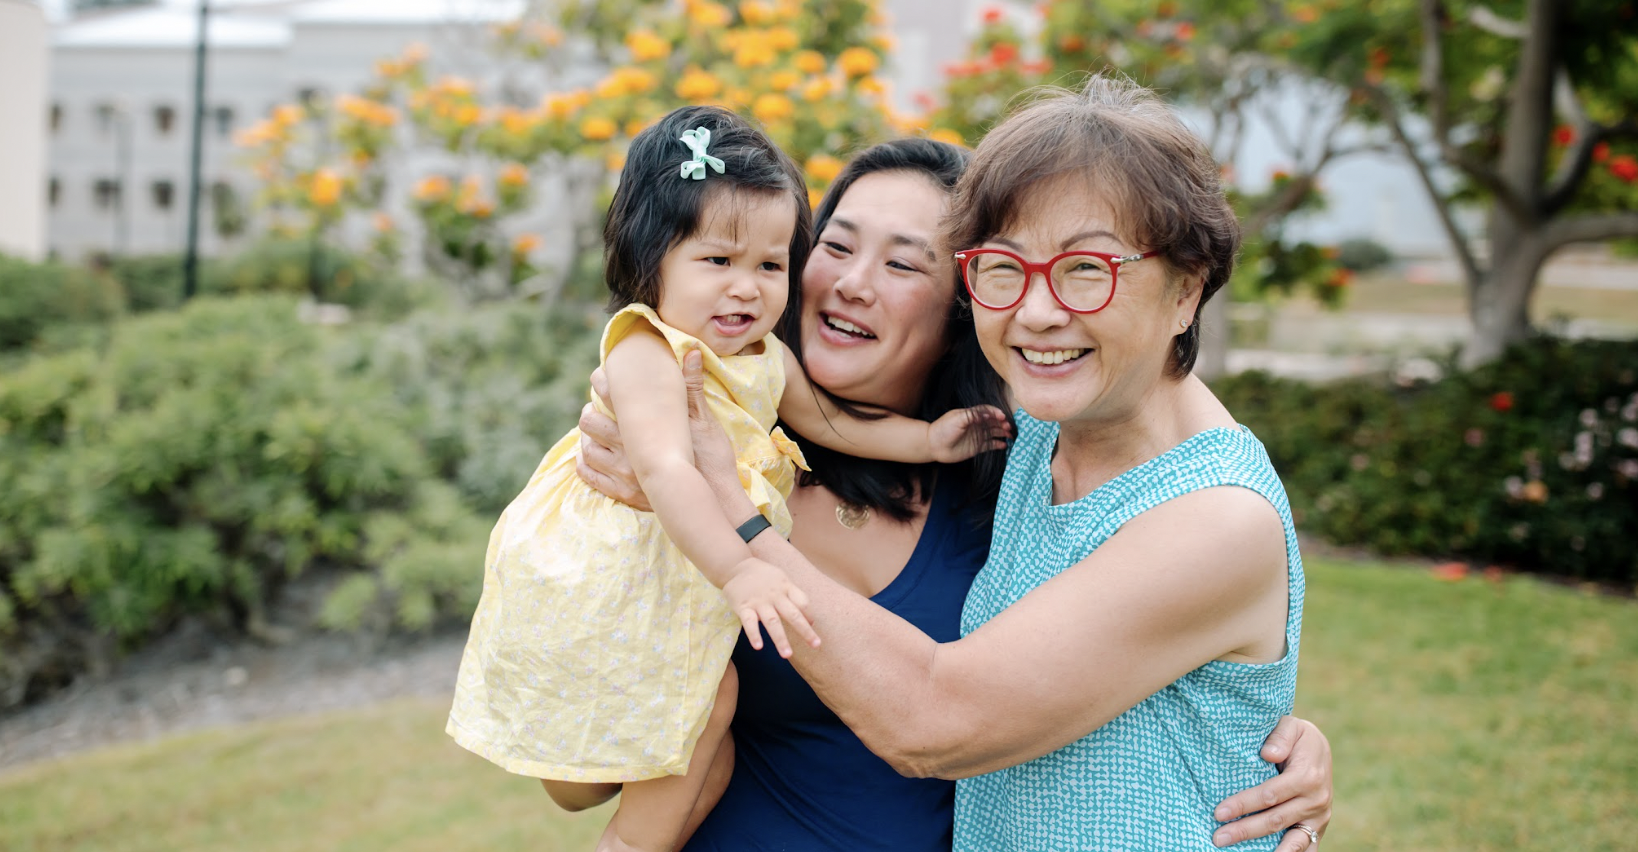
(1183, 324)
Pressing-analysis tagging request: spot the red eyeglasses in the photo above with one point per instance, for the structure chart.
(1082, 281)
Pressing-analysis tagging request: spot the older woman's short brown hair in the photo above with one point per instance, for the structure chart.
(1155, 173)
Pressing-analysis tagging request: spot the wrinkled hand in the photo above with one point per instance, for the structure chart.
(1300, 793)
(761, 594)
(601, 462)
(965, 432)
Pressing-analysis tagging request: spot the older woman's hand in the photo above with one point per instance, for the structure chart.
(602, 460)
(1301, 793)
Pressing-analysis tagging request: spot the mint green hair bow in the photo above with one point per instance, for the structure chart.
(697, 140)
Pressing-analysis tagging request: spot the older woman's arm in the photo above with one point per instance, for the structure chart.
(1148, 607)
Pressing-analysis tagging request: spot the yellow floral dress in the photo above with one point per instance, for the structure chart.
(597, 647)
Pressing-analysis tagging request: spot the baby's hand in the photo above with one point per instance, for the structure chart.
(965, 432)
(761, 593)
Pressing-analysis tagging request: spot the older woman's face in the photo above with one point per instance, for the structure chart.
(875, 297)
(1097, 367)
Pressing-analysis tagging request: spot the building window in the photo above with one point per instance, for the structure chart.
(223, 116)
(164, 193)
(56, 117)
(164, 119)
(106, 114)
(107, 192)
(309, 96)
(54, 191)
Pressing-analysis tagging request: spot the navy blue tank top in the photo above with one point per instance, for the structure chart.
(802, 781)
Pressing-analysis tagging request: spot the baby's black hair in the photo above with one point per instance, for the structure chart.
(655, 208)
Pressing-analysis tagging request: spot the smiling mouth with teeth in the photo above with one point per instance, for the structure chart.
(1051, 358)
(846, 327)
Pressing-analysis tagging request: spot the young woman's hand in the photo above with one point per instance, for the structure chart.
(764, 597)
(965, 432)
(1301, 793)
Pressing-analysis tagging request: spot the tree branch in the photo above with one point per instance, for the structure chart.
(1486, 19)
(1590, 227)
(1441, 204)
(1432, 82)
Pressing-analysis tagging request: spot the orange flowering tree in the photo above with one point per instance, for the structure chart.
(1524, 108)
(1210, 58)
(807, 71)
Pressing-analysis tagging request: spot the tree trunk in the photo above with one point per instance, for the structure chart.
(1499, 302)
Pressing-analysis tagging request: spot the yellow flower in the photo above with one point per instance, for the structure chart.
(453, 86)
(823, 168)
(784, 81)
(415, 53)
(467, 115)
(815, 89)
(814, 197)
(514, 175)
(753, 50)
(857, 61)
(771, 107)
(388, 68)
(783, 38)
(709, 15)
(947, 136)
(285, 115)
(756, 13)
(610, 88)
(598, 129)
(517, 122)
(697, 85)
(870, 86)
(434, 188)
(525, 243)
(559, 107)
(884, 42)
(325, 189)
(810, 62)
(736, 97)
(635, 126)
(615, 161)
(384, 223)
(645, 45)
(635, 80)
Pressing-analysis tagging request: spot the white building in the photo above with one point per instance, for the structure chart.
(23, 57)
(121, 99)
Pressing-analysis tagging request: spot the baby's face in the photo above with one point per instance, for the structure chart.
(728, 283)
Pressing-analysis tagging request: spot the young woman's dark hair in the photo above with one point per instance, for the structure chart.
(655, 207)
(964, 377)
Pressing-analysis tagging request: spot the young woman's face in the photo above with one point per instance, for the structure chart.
(875, 297)
(727, 285)
(1070, 367)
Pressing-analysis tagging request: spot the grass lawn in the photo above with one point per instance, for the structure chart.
(1465, 716)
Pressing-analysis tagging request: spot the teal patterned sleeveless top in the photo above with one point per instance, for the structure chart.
(1151, 777)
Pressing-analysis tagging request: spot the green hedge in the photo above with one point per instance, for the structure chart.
(195, 459)
(1530, 462)
(38, 296)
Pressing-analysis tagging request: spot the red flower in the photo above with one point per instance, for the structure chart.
(1037, 68)
(993, 15)
(1494, 574)
(1502, 401)
(1379, 57)
(1563, 134)
(1450, 572)
(1003, 53)
(1625, 167)
(1601, 152)
(1185, 31)
(924, 101)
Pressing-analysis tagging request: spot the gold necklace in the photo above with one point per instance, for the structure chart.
(851, 516)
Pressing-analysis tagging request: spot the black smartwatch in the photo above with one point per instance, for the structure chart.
(752, 528)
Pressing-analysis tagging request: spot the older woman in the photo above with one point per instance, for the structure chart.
(890, 550)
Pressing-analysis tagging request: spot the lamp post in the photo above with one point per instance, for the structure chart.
(190, 259)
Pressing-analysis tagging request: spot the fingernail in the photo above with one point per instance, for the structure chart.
(1219, 840)
(1222, 814)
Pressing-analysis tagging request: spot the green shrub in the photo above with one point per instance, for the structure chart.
(193, 463)
(324, 272)
(35, 297)
(1363, 255)
(1531, 461)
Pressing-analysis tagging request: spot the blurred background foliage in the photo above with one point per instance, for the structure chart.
(318, 412)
